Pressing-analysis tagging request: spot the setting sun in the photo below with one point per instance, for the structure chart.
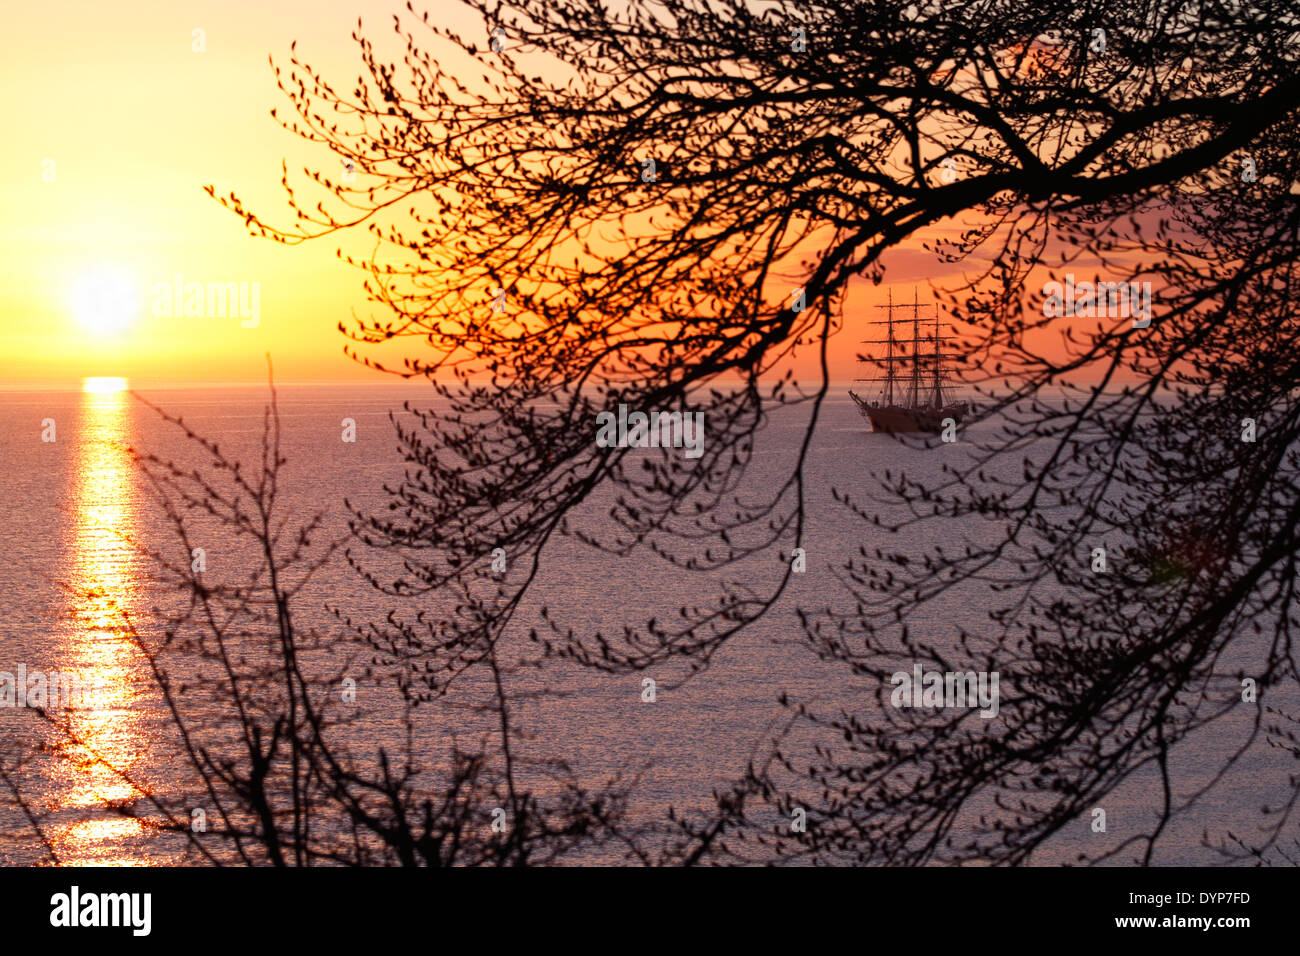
(104, 383)
(104, 301)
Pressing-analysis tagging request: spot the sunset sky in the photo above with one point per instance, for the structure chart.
(136, 122)
(115, 123)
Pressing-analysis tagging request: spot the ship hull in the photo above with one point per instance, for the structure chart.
(896, 418)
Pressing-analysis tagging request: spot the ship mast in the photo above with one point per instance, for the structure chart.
(917, 380)
(914, 396)
(937, 401)
(889, 380)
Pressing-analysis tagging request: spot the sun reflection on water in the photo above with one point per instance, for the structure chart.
(102, 573)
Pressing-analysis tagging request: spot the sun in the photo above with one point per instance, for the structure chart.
(104, 301)
(103, 384)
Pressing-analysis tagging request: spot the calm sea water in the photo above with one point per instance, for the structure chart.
(68, 503)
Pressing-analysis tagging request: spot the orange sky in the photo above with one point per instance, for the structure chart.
(115, 122)
(135, 122)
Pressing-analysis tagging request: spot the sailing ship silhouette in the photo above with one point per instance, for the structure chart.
(914, 392)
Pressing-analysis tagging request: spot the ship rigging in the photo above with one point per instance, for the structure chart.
(914, 393)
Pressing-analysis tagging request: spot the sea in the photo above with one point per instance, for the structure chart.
(76, 511)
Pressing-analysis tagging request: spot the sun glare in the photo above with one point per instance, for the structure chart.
(104, 301)
(104, 383)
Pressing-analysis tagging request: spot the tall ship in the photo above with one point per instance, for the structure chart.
(914, 393)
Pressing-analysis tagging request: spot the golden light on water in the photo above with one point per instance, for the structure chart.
(101, 570)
